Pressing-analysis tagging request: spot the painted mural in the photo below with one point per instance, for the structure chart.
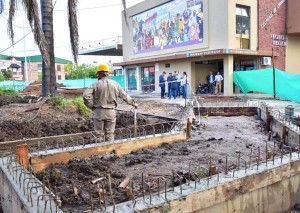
(173, 24)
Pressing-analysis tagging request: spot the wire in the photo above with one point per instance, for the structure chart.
(13, 24)
(100, 7)
(16, 42)
(65, 45)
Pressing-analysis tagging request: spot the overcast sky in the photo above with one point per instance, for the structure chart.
(99, 21)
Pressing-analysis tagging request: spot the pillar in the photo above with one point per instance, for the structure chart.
(138, 79)
(228, 75)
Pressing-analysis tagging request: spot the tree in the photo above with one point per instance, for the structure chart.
(44, 37)
(8, 74)
(80, 71)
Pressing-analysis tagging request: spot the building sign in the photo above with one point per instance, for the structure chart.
(272, 13)
(173, 24)
(278, 40)
(204, 53)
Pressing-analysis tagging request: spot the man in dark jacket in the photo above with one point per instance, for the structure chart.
(162, 84)
(169, 80)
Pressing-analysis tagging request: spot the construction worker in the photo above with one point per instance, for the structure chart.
(101, 97)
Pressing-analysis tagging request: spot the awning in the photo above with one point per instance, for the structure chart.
(197, 54)
(15, 66)
(113, 50)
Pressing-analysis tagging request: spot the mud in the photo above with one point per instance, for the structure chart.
(17, 124)
(216, 138)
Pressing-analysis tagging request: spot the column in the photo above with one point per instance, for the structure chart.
(228, 75)
(138, 79)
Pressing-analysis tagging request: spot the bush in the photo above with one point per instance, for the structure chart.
(8, 92)
(61, 103)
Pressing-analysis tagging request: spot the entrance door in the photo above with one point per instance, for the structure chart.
(148, 79)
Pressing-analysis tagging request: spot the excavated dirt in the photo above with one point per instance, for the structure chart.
(216, 138)
(16, 123)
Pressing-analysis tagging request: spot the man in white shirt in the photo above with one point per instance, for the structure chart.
(218, 80)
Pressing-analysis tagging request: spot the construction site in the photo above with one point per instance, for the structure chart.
(204, 154)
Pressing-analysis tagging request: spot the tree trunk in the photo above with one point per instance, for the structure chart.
(48, 73)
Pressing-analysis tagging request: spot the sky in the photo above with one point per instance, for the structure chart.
(99, 23)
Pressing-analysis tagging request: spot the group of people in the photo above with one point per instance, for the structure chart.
(215, 83)
(176, 84)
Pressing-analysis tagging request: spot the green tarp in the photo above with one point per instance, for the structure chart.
(287, 85)
(88, 81)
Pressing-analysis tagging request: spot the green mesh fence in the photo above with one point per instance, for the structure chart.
(287, 85)
(88, 81)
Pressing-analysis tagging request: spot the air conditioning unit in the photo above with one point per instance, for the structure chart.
(265, 61)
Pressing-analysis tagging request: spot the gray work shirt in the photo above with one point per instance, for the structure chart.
(104, 93)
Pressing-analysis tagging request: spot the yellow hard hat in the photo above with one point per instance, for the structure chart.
(103, 68)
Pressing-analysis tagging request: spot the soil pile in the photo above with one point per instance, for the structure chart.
(35, 88)
(17, 124)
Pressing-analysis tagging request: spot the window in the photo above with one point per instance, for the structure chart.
(59, 77)
(242, 20)
(58, 68)
(40, 67)
(242, 26)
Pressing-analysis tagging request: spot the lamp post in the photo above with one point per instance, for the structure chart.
(274, 76)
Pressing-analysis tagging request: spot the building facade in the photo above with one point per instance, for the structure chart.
(34, 68)
(11, 63)
(199, 36)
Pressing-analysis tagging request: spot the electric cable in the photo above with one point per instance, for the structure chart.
(15, 42)
(13, 24)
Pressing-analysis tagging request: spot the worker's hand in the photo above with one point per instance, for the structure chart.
(135, 105)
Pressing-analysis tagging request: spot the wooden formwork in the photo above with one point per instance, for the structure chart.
(41, 161)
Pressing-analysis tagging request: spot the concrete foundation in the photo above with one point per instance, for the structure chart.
(272, 186)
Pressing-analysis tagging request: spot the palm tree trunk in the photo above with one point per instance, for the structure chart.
(48, 73)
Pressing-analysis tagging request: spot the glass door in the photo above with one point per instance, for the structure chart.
(131, 79)
(148, 79)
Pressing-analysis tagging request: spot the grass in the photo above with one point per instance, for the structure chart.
(8, 92)
(61, 103)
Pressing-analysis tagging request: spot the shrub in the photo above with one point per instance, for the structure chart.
(8, 92)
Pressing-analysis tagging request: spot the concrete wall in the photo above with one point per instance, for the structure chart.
(271, 189)
(293, 25)
(10, 201)
(292, 54)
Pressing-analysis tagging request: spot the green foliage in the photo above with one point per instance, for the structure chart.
(8, 92)
(201, 172)
(61, 103)
(7, 74)
(40, 76)
(80, 71)
(1, 76)
(57, 101)
(82, 109)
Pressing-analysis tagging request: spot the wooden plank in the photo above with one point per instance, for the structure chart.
(42, 161)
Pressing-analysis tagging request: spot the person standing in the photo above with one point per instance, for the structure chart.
(169, 80)
(162, 84)
(185, 82)
(174, 86)
(218, 79)
(211, 81)
(178, 82)
(101, 97)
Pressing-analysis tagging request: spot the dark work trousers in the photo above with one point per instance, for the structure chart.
(169, 90)
(162, 92)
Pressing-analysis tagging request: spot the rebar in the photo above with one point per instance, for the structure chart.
(29, 196)
(111, 192)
